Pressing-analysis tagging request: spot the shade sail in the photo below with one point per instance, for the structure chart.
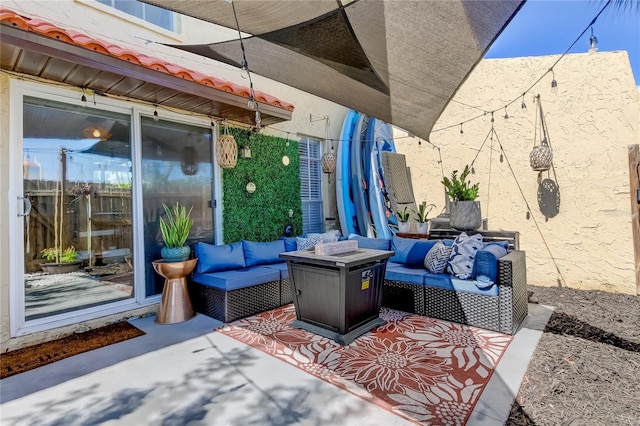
(399, 61)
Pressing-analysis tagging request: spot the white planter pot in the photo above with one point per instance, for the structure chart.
(423, 228)
(403, 227)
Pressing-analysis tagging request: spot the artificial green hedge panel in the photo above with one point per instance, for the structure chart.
(263, 215)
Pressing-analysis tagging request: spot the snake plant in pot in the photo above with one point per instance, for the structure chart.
(422, 216)
(175, 230)
(465, 212)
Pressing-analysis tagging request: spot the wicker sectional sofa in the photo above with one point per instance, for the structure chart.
(236, 280)
(409, 287)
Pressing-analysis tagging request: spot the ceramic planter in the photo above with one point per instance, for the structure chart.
(465, 215)
(423, 228)
(403, 227)
(175, 254)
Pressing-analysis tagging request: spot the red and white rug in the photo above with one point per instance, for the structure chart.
(423, 369)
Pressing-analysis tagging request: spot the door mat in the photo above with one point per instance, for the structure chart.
(26, 359)
(423, 369)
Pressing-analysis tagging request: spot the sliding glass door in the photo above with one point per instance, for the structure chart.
(176, 168)
(77, 191)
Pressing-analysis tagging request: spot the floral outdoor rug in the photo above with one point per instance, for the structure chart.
(423, 369)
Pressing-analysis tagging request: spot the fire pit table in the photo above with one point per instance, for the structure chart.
(337, 296)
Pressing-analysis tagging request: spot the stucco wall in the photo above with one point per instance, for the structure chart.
(591, 120)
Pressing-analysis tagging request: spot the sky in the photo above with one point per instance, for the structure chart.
(548, 27)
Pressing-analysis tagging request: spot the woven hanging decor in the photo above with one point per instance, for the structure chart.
(226, 150)
(541, 156)
(329, 162)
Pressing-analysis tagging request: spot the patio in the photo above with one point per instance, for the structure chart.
(189, 373)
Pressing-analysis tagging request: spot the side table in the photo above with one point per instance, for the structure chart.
(175, 305)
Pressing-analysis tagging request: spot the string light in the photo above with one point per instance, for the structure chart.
(593, 42)
(83, 99)
(554, 83)
(461, 131)
(155, 113)
(523, 105)
(506, 114)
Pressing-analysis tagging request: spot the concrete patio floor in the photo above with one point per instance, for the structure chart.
(189, 374)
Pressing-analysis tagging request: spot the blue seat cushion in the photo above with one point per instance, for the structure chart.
(449, 282)
(282, 267)
(212, 258)
(371, 243)
(238, 278)
(399, 272)
(409, 251)
(263, 253)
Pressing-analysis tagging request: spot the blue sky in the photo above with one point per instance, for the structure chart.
(547, 27)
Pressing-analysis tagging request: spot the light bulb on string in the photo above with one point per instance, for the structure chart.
(523, 105)
(593, 42)
(554, 83)
(244, 72)
(492, 119)
(528, 215)
(212, 125)
(501, 158)
(473, 170)
(461, 131)
(506, 114)
(83, 99)
(155, 113)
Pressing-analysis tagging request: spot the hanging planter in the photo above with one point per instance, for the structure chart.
(541, 157)
(329, 162)
(226, 150)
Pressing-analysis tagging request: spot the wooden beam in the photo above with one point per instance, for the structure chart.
(634, 186)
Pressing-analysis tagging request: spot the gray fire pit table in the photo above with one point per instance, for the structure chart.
(337, 296)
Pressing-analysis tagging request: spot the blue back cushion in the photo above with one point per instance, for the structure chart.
(259, 253)
(371, 243)
(212, 258)
(410, 251)
(290, 243)
(486, 261)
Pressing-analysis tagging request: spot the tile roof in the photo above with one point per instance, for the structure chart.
(45, 28)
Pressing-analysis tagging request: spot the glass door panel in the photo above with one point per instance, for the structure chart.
(78, 236)
(176, 167)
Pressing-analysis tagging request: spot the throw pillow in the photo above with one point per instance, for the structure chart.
(463, 254)
(437, 258)
(307, 243)
(326, 237)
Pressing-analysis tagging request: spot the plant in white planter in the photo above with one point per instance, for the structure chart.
(422, 216)
(403, 220)
(175, 231)
(465, 211)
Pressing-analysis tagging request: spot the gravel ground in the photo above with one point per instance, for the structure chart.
(586, 367)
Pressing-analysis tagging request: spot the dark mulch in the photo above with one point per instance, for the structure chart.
(31, 357)
(586, 367)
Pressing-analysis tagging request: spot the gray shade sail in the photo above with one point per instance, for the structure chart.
(399, 61)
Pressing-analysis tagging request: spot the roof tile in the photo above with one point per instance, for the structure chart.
(8, 17)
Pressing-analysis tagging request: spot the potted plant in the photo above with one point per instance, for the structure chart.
(175, 230)
(465, 211)
(403, 220)
(422, 216)
(60, 261)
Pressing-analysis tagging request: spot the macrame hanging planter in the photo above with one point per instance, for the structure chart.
(541, 156)
(226, 150)
(329, 158)
(329, 162)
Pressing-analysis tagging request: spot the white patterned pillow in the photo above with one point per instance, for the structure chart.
(307, 243)
(437, 258)
(463, 253)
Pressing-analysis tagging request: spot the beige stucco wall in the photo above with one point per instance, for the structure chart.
(591, 120)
